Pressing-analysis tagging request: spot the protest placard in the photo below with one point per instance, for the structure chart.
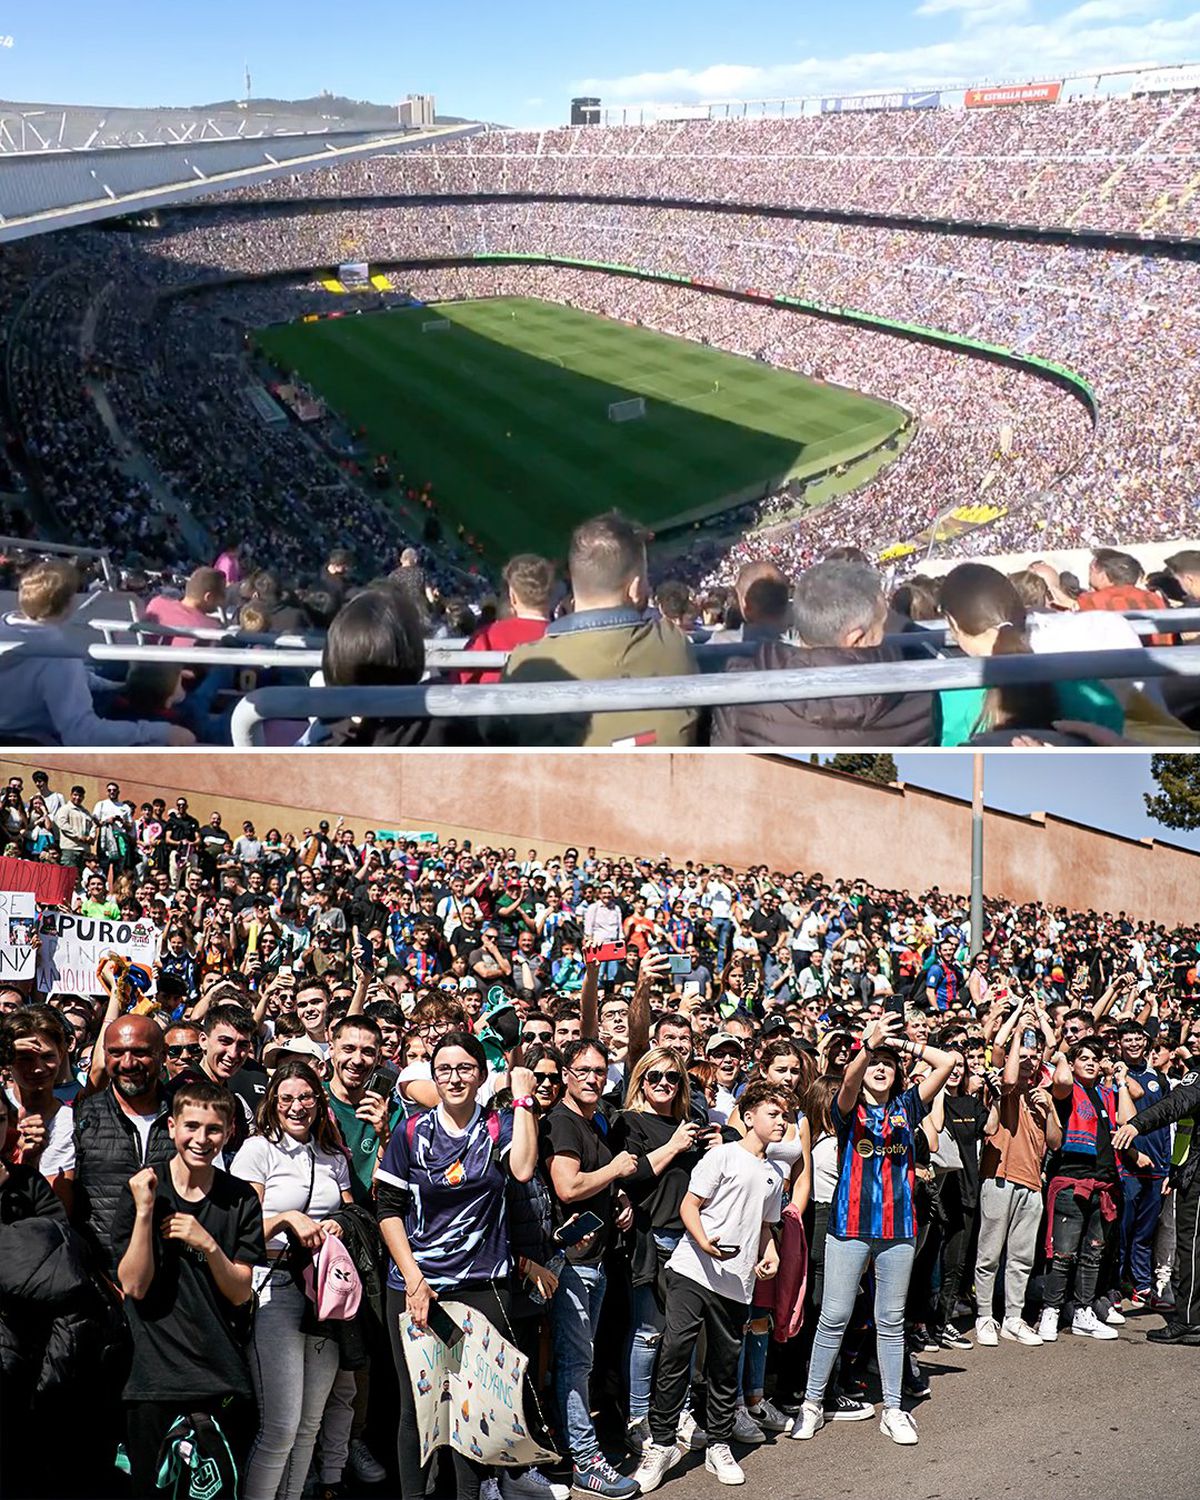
(18, 930)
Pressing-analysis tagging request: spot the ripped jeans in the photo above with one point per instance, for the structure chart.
(649, 1320)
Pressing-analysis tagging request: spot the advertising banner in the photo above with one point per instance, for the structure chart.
(406, 836)
(72, 946)
(912, 99)
(1016, 93)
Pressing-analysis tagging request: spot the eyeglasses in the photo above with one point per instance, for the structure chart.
(446, 1071)
(599, 1072)
(301, 1101)
(656, 1077)
(189, 1049)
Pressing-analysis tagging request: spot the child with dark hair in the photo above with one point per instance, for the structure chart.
(187, 1242)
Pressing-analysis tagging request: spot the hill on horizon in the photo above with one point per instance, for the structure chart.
(334, 106)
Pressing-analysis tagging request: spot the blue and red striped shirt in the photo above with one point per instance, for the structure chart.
(877, 1169)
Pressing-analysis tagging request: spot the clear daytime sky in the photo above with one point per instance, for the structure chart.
(1101, 790)
(519, 63)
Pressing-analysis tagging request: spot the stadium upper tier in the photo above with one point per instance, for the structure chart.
(1128, 164)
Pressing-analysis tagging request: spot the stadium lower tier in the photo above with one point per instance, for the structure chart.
(993, 443)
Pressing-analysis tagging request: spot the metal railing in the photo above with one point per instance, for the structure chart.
(704, 690)
(63, 549)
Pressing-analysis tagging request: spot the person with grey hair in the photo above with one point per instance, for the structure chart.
(839, 615)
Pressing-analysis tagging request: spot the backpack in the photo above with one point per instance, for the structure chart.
(195, 1462)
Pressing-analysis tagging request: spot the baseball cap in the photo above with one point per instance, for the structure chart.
(720, 1039)
(297, 1046)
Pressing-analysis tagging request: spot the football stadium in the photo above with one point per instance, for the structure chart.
(687, 430)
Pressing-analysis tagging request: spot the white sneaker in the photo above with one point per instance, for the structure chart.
(1088, 1325)
(1114, 1317)
(985, 1333)
(746, 1430)
(769, 1417)
(1019, 1332)
(809, 1421)
(364, 1465)
(899, 1426)
(689, 1433)
(1048, 1325)
(547, 1487)
(719, 1461)
(650, 1473)
(489, 1490)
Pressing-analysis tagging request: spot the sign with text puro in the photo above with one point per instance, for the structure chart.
(1016, 93)
(72, 946)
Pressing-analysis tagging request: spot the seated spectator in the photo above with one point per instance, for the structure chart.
(200, 607)
(1114, 580)
(530, 582)
(1185, 568)
(607, 635)
(47, 700)
(763, 597)
(839, 613)
(987, 618)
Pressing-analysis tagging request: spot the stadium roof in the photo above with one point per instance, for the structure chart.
(63, 188)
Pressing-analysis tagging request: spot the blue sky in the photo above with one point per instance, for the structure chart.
(520, 62)
(1102, 790)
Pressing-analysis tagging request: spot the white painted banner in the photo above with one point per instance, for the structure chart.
(72, 947)
(470, 1396)
(18, 931)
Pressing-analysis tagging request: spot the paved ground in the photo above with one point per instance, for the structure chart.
(1070, 1420)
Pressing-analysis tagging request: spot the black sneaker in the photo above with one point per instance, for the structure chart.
(914, 1382)
(1175, 1332)
(950, 1338)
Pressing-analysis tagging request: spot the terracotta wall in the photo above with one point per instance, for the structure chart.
(741, 809)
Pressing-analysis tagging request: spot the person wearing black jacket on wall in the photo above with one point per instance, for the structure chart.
(1180, 1108)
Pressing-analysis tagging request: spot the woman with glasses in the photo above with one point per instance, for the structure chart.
(299, 1171)
(657, 1129)
(443, 1214)
(41, 836)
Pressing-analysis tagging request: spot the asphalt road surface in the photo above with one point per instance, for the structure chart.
(1073, 1419)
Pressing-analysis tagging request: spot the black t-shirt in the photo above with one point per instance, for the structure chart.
(1102, 1166)
(184, 1343)
(656, 1199)
(183, 828)
(770, 922)
(465, 941)
(565, 1133)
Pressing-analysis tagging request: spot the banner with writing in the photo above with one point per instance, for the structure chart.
(18, 935)
(72, 946)
(470, 1396)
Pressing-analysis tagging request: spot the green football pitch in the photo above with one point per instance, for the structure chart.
(506, 414)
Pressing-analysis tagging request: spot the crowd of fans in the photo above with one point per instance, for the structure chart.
(604, 1103)
(1117, 164)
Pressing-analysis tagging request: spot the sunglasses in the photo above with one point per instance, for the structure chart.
(544, 1078)
(655, 1076)
(190, 1049)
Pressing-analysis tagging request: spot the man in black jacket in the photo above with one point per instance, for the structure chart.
(1181, 1108)
(839, 614)
(121, 1130)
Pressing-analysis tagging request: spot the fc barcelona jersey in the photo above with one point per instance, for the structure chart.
(877, 1169)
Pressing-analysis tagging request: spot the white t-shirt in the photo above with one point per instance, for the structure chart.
(423, 1070)
(142, 1124)
(59, 1155)
(285, 1168)
(741, 1193)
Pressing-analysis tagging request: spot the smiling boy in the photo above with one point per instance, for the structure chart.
(187, 1239)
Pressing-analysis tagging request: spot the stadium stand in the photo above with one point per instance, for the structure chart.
(128, 422)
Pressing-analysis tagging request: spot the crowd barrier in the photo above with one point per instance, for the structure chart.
(704, 690)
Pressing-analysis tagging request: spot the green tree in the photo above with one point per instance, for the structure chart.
(1176, 804)
(881, 768)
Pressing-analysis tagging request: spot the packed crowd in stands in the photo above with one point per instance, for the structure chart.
(1118, 164)
(370, 1090)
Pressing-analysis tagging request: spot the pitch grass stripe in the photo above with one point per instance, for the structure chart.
(565, 460)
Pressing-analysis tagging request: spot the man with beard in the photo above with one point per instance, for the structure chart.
(365, 1117)
(120, 1130)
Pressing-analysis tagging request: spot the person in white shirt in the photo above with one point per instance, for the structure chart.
(299, 1171)
(718, 897)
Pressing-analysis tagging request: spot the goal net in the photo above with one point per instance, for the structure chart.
(436, 325)
(627, 411)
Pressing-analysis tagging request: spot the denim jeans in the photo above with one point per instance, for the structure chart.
(575, 1313)
(845, 1262)
(1139, 1224)
(293, 1374)
(649, 1320)
(724, 929)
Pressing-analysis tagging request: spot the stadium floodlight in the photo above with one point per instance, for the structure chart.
(627, 411)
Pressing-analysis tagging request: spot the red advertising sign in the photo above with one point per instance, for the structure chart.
(1016, 93)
